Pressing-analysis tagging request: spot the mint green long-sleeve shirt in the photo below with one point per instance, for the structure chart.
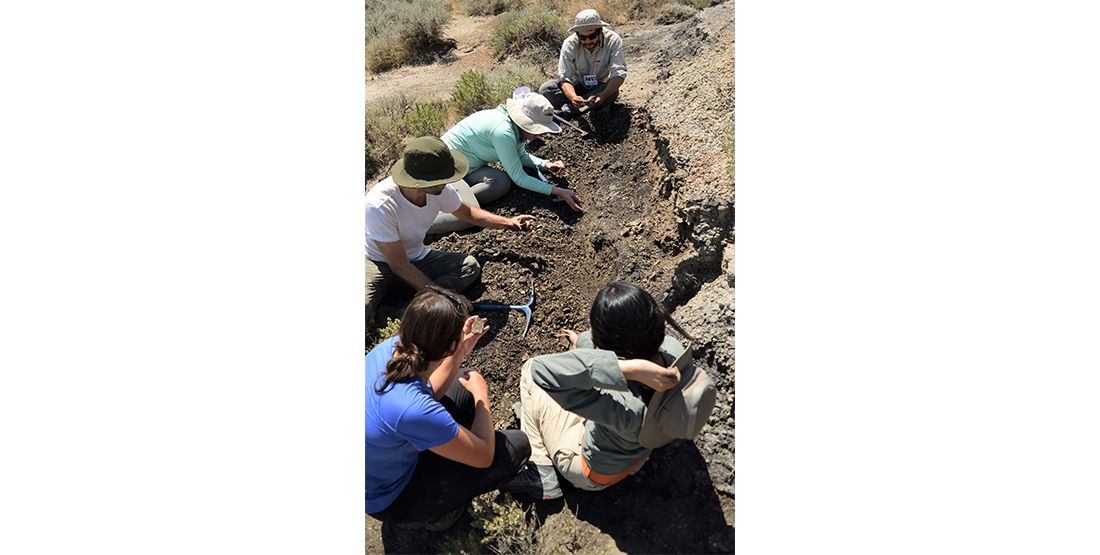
(588, 382)
(492, 136)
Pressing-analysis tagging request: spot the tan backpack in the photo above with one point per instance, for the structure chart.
(682, 411)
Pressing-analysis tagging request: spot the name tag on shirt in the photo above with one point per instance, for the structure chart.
(590, 81)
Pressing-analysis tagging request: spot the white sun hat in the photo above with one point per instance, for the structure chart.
(534, 114)
(588, 20)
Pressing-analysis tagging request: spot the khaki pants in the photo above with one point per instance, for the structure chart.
(447, 269)
(555, 433)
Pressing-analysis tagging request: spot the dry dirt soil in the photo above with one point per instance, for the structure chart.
(659, 212)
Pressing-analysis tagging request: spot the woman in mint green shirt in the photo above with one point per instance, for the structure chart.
(501, 135)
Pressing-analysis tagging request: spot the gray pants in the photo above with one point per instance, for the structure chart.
(447, 269)
(480, 187)
(552, 91)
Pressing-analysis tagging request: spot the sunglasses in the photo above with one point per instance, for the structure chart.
(593, 36)
(458, 304)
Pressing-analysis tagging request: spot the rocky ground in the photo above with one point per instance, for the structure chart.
(659, 203)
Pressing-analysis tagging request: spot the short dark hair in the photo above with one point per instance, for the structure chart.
(627, 319)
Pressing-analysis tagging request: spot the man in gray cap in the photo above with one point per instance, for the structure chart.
(399, 210)
(591, 67)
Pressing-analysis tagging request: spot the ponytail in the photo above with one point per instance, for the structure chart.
(406, 363)
(431, 324)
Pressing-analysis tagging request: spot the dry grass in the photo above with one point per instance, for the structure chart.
(399, 32)
(674, 13)
(385, 131)
(612, 11)
(534, 32)
(490, 7)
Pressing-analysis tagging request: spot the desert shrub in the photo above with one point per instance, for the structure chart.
(391, 121)
(506, 525)
(647, 9)
(393, 326)
(403, 31)
(377, 335)
(674, 13)
(533, 29)
(511, 76)
(490, 7)
(427, 118)
(499, 523)
(611, 11)
(477, 91)
(471, 93)
(385, 131)
(617, 12)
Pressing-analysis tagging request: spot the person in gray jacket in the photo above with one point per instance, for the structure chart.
(582, 410)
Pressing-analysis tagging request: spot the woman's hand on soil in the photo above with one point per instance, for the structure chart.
(567, 339)
(523, 222)
(475, 384)
(654, 375)
(556, 166)
(569, 197)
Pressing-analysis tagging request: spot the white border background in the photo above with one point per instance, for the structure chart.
(917, 272)
(181, 218)
(918, 297)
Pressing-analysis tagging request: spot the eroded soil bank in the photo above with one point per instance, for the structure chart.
(658, 212)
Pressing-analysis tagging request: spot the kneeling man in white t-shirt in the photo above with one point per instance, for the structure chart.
(400, 209)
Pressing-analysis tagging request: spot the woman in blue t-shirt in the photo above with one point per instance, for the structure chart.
(430, 443)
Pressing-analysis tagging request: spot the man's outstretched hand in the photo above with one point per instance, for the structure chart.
(523, 222)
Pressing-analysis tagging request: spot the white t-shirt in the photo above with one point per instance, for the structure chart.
(391, 217)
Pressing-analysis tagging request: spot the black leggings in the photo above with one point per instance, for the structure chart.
(439, 485)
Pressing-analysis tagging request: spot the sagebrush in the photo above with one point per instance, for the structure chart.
(499, 524)
(471, 93)
(385, 130)
(505, 79)
(427, 118)
(476, 91)
(674, 13)
(534, 32)
(399, 32)
(490, 7)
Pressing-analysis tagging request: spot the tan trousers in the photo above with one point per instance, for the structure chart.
(555, 433)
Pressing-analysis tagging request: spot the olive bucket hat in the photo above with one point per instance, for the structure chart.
(533, 113)
(428, 162)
